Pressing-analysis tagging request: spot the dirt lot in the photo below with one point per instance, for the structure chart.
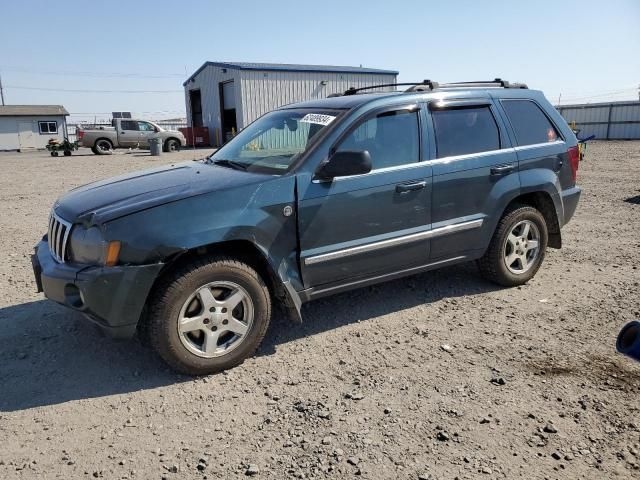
(531, 387)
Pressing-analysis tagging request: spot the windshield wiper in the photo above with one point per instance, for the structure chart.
(223, 162)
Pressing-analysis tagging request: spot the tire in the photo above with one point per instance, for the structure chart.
(103, 146)
(54, 154)
(514, 260)
(194, 341)
(171, 145)
(94, 150)
(67, 153)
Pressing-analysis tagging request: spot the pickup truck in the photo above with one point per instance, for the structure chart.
(309, 200)
(128, 133)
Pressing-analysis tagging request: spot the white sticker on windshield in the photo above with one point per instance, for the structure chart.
(318, 118)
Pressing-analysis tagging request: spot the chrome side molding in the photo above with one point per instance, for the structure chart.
(393, 242)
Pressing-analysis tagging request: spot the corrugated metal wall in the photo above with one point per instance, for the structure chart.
(265, 91)
(208, 82)
(607, 121)
(258, 92)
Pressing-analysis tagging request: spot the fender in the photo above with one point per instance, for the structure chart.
(516, 185)
(252, 213)
(543, 180)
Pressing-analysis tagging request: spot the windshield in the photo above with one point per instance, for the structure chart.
(272, 143)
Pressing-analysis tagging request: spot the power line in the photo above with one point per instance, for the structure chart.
(92, 74)
(610, 94)
(109, 113)
(69, 90)
(598, 92)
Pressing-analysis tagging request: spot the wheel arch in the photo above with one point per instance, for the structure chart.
(543, 202)
(248, 252)
(95, 143)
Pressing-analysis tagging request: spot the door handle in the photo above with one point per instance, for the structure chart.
(502, 169)
(409, 187)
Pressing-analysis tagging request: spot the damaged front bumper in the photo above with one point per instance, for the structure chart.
(111, 297)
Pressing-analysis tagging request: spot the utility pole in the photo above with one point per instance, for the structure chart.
(559, 98)
(1, 91)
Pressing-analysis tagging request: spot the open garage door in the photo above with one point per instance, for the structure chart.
(228, 110)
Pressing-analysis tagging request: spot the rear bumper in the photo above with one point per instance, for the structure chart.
(570, 198)
(111, 297)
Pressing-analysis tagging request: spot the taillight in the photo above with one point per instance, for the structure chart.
(80, 134)
(574, 161)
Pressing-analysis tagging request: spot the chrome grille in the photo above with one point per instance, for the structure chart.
(58, 235)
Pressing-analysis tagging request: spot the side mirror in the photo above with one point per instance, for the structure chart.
(344, 164)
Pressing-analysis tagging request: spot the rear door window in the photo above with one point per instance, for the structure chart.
(129, 125)
(462, 131)
(530, 124)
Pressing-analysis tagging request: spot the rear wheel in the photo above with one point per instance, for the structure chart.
(209, 316)
(103, 147)
(517, 248)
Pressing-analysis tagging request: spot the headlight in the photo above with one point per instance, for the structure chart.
(87, 245)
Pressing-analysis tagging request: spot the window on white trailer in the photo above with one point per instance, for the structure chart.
(48, 128)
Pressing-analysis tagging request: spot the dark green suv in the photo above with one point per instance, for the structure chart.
(309, 200)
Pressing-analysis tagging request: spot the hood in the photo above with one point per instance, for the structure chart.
(115, 197)
(174, 132)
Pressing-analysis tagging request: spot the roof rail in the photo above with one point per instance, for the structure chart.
(497, 82)
(431, 85)
(425, 83)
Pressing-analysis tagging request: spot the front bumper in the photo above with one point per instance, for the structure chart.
(570, 199)
(111, 297)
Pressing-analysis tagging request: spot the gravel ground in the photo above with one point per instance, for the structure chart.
(438, 376)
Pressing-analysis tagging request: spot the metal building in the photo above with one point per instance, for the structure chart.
(29, 127)
(225, 97)
(607, 121)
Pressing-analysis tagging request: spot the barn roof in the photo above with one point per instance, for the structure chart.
(29, 110)
(291, 67)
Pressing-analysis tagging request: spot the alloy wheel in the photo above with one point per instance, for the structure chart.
(104, 146)
(215, 319)
(522, 247)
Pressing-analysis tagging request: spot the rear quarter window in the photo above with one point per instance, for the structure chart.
(464, 131)
(530, 124)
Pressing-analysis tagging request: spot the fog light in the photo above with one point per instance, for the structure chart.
(73, 296)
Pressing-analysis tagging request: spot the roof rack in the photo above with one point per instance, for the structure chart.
(431, 85)
(425, 83)
(497, 82)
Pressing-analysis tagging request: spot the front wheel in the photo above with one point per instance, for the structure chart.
(517, 248)
(171, 145)
(208, 316)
